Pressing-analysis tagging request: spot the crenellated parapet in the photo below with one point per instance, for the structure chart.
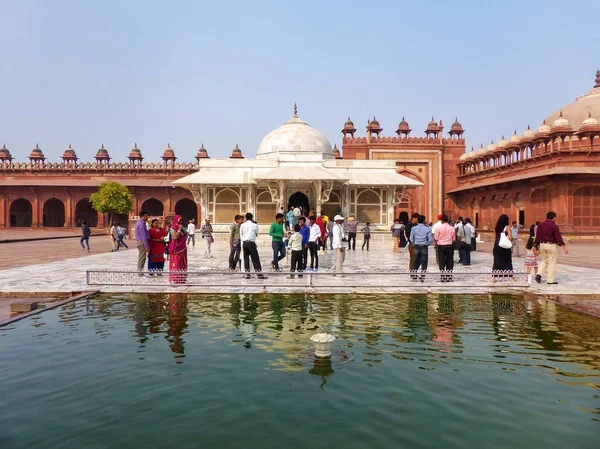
(72, 163)
(97, 166)
(404, 140)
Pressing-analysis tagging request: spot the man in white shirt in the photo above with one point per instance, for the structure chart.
(191, 229)
(248, 236)
(313, 244)
(434, 228)
(338, 240)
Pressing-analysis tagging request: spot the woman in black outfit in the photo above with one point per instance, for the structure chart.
(502, 256)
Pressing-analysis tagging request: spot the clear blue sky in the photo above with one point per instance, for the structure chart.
(115, 72)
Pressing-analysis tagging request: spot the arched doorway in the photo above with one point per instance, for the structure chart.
(85, 211)
(54, 213)
(299, 199)
(187, 209)
(154, 207)
(20, 213)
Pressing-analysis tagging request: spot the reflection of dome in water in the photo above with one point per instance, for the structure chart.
(294, 136)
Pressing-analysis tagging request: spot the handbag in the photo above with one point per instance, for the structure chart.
(212, 239)
(504, 241)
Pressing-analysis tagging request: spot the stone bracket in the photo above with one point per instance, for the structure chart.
(326, 188)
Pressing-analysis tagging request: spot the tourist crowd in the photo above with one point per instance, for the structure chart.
(302, 234)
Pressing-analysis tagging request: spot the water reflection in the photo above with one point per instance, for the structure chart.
(494, 329)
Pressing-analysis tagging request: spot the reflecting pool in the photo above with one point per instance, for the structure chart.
(407, 371)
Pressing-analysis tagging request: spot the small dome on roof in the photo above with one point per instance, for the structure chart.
(374, 123)
(5, 154)
(169, 153)
(202, 153)
(589, 125)
(472, 154)
(481, 150)
(36, 153)
(502, 143)
(491, 147)
(456, 126)
(463, 156)
(336, 152)
(432, 127)
(515, 138)
(528, 133)
(236, 153)
(560, 122)
(403, 125)
(590, 121)
(69, 154)
(102, 153)
(135, 153)
(544, 128)
(349, 127)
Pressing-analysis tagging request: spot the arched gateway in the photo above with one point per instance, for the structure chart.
(296, 166)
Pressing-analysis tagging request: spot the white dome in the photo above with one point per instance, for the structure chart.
(528, 133)
(502, 143)
(560, 121)
(481, 150)
(491, 147)
(462, 157)
(544, 128)
(590, 121)
(294, 137)
(515, 138)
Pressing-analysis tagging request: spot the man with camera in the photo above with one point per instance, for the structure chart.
(339, 242)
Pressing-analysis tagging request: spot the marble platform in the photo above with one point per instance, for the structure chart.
(68, 276)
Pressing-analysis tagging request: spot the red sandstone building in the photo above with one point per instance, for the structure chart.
(556, 167)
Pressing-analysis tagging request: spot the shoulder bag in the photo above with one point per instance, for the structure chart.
(504, 241)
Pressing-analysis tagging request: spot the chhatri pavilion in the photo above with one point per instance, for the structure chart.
(296, 166)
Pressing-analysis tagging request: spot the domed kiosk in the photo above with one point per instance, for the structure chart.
(295, 165)
(297, 138)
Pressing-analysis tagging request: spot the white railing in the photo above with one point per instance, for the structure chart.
(322, 280)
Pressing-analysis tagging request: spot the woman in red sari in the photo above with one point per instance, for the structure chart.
(156, 261)
(178, 252)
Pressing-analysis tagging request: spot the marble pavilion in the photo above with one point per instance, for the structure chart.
(296, 166)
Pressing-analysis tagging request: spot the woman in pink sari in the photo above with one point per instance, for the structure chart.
(178, 251)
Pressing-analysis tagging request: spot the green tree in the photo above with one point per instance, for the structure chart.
(112, 198)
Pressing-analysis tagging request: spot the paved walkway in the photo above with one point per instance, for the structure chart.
(19, 254)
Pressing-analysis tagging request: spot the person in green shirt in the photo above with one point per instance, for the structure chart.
(277, 233)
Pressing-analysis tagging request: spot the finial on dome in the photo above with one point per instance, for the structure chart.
(597, 78)
(560, 115)
(295, 110)
(528, 127)
(135, 145)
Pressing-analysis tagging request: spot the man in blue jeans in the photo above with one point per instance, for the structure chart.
(277, 233)
(420, 238)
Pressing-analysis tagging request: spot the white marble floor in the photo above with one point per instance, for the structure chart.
(69, 275)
